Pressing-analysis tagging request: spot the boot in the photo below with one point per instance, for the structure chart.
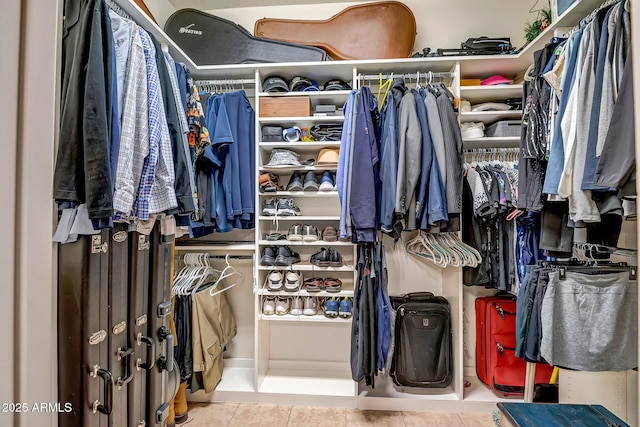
(171, 420)
(180, 404)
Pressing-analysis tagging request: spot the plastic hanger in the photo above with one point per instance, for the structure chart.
(225, 275)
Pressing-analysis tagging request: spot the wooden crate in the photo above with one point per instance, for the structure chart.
(285, 106)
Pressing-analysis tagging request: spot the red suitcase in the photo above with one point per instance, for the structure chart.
(496, 363)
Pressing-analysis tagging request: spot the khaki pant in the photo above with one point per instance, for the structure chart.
(213, 327)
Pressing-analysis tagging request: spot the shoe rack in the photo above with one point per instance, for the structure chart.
(301, 355)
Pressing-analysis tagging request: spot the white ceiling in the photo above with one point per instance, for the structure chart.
(226, 4)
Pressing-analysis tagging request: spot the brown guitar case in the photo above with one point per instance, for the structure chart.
(370, 31)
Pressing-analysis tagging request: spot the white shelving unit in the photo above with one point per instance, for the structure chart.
(314, 194)
(306, 361)
(489, 117)
(489, 142)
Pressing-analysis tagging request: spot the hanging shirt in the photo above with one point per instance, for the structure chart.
(344, 161)
(156, 191)
(134, 136)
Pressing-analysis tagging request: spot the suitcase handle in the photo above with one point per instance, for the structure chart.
(108, 391)
(166, 362)
(125, 356)
(417, 295)
(151, 351)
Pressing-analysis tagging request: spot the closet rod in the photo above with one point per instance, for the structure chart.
(601, 249)
(118, 9)
(231, 257)
(225, 82)
(496, 150)
(587, 19)
(417, 75)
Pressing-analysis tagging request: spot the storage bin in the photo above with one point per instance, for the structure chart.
(504, 128)
(285, 106)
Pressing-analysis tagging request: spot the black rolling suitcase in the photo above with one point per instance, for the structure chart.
(422, 355)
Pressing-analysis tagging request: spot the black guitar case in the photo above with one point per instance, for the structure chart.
(211, 40)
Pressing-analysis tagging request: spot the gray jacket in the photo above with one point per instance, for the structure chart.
(409, 152)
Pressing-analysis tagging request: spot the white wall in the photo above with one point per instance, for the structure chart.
(439, 24)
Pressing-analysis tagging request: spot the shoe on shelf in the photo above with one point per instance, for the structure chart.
(286, 256)
(295, 182)
(314, 284)
(330, 234)
(345, 308)
(269, 207)
(293, 281)
(332, 285)
(283, 305)
(269, 305)
(297, 306)
(321, 258)
(274, 237)
(472, 130)
(311, 306)
(268, 256)
(268, 183)
(295, 233)
(310, 181)
(275, 281)
(286, 207)
(330, 307)
(326, 182)
(310, 233)
(335, 259)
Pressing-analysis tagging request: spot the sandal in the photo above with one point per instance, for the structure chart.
(332, 285)
(314, 284)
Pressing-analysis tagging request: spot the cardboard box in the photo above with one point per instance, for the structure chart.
(285, 106)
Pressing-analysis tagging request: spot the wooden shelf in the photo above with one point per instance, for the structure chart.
(318, 318)
(330, 194)
(298, 168)
(489, 117)
(488, 142)
(304, 293)
(332, 97)
(301, 218)
(289, 243)
(306, 267)
(300, 147)
(479, 94)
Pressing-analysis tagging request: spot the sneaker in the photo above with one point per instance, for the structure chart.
(326, 181)
(286, 256)
(335, 259)
(472, 130)
(274, 283)
(283, 305)
(321, 258)
(286, 207)
(295, 182)
(268, 256)
(310, 181)
(297, 306)
(269, 207)
(295, 233)
(330, 307)
(310, 233)
(293, 281)
(311, 306)
(345, 308)
(329, 234)
(274, 237)
(269, 305)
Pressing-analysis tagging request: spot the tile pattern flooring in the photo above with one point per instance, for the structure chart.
(241, 415)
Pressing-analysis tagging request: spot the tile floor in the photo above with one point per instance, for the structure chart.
(241, 415)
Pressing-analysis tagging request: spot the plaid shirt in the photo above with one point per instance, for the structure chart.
(134, 135)
(155, 192)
